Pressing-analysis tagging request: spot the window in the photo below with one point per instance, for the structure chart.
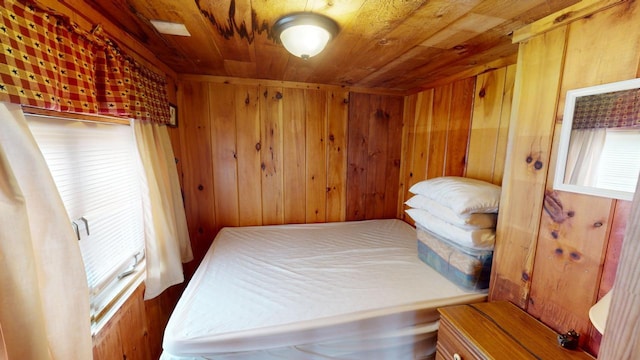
(95, 168)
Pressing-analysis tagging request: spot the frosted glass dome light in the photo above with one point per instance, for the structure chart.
(305, 34)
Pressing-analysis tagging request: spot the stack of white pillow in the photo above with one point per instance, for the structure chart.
(460, 210)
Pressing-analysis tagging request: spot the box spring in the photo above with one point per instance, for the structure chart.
(467, 267)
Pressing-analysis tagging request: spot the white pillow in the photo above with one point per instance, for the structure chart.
(476, 239)
(462, 195)
(466, 221)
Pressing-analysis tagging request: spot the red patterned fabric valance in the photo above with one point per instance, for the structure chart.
(47, 62)
(610, 110)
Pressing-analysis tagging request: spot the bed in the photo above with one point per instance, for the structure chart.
(350, 290)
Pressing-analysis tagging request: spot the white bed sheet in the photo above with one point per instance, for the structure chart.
(309, 291)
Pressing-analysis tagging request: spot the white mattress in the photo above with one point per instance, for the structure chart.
(322, 291)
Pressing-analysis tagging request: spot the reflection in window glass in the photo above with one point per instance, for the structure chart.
(620, 160)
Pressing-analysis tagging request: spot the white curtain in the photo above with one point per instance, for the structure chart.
(167, 237)
(44, 297)
(583, 157)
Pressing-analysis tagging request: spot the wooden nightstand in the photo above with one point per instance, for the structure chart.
(497, 330)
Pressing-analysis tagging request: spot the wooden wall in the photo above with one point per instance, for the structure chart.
(264, 152)
(557, 252)
(242, 162)
(457, 129)
(136, 330)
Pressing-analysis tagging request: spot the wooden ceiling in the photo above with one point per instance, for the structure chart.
(398, 45)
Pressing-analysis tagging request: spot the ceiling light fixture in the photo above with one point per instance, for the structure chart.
(305, 34)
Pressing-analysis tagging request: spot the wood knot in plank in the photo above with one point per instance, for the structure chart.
(381, 114)
(537, 165)
(553, 207)
(279, 95)
(482, 93)
(561, 18)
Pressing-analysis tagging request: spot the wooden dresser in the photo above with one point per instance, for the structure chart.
(497, 330)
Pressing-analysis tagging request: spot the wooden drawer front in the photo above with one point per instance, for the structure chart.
(500, 331)
(451, 342)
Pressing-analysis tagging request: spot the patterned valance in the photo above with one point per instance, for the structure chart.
(46, 61)
(610, 110)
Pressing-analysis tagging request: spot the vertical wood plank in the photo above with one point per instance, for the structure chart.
(133, 328)
(376, 158)
(408, 139)
(271, 120)
(487, 113)
(622, 341)
(419, 139)
(503, 131)
(393, 189)
(247, 104)
(197, 164)
(621, 213)
(422, 139)
(337, 118)
(293, 155)
(458, 132)
(107, 344)
(438, 134)
(536, 90)
(619, 223)
(359, 105)
(569, 256)
(316, 162)
(157, 319)
(223, 140)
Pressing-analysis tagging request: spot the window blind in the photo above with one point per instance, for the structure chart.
(95, 168)
(620, 160)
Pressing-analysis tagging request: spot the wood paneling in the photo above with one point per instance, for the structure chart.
(135, 331)
(487, 111)
(248, 150)
(382, 44)
(445, 133)
(196, 158)
(357, 147)
(294, 159)
(271, 154)
(458, 129)
(315, 155)
(373, 156)
(622, 337)
(555, 257)
(418, 128)
(224, 153)
(267, 154)
(536, 91)
(337, 111)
